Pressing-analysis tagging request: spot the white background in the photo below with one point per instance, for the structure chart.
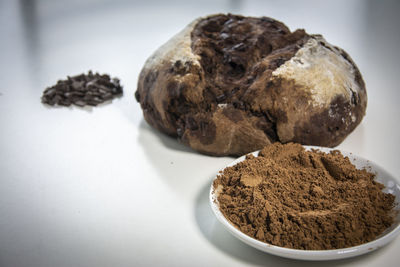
(98, 186)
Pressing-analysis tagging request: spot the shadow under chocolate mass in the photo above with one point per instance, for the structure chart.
(175, 164)
(167, 141)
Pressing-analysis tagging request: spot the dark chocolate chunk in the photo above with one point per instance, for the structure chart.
(224, 99)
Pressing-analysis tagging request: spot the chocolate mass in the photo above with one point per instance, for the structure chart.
(229, 85)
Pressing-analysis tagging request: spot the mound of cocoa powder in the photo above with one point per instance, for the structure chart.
(301, 199)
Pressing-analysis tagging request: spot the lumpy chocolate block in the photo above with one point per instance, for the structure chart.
(229, 85)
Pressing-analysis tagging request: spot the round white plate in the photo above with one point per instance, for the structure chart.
(391, 186)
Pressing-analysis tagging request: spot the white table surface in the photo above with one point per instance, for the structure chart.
(99, 187)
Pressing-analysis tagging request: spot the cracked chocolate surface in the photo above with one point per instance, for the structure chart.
(229, 85)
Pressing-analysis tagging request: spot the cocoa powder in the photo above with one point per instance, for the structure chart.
(300, 199)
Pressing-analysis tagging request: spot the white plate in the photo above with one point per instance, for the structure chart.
(391, 185)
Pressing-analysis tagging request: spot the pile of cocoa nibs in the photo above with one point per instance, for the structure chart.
(81, 90)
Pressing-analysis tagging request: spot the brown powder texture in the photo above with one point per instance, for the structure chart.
(300, 199)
